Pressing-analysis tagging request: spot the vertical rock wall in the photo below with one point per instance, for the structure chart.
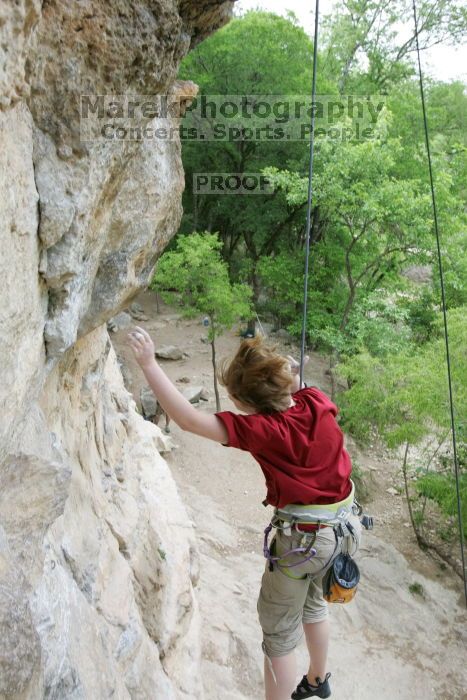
(97, 557)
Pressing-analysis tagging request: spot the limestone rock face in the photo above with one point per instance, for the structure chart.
(17, 21)
(101, 202)
(23, 305)
(117, 551)
(97, 556)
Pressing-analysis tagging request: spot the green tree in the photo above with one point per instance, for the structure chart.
(194, 276)
(371, 215)
(405, 396)
(374, 222)
(405, 399)
(367, 32)
(282, 279)
(258, 54)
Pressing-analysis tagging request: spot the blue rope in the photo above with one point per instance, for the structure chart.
(310, 194)
(443, 303)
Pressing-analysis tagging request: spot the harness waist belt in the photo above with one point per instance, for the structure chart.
(325, 514)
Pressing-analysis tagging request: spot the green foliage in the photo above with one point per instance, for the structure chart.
(374, 222)
(194, 276)
(372, 215)
(264, 38)
(370, 30)
(446, 104)
(273, 60)
(454, 267)
(405, 397)
(380, 402)
(441, 488)
(417, 589)
(281, 279)
(378, 324)
(421, 315)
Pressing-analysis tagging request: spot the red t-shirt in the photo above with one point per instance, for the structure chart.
(300, 450)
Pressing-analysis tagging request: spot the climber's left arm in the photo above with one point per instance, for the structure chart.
(174, 404)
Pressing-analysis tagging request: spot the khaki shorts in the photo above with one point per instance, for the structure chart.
(284, 603)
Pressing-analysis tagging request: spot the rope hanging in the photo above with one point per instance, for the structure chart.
(443, 303)
(440, 265)
(310, 193)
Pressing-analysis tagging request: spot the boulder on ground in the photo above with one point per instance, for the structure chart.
(149, 402)
(170, 352)
(193, 393)
(205, 395)
(119, 322)
(137, 312)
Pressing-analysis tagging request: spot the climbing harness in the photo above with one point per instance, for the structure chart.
(332, 514)
(296, 517)
(308, 551)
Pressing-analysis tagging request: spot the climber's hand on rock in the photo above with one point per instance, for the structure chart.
(143, 348)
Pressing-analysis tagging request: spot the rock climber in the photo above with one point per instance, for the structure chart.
(292, 433)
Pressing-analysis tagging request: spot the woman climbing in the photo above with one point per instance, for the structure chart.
(292, 433)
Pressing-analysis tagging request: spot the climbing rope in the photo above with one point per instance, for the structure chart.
(310, 193)
(440, 265)
(443, 304)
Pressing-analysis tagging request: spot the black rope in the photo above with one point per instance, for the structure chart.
(443, 302)
(310, 193)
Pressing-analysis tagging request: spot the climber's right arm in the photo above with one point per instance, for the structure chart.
(174, 404)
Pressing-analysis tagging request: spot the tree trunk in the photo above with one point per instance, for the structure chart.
(422, 542)
(334, 357)
(407, 495)
(195, 211)
(348, 309)
(251, 326)
(214, 367)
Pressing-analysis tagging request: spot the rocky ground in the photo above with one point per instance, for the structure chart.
(390, 642)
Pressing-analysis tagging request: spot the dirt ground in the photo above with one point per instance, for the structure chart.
(389, 643)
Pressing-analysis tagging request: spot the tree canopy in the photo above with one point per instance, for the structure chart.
(374, 290)
(195, 277)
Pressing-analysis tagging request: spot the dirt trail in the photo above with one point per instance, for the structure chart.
(389, 643)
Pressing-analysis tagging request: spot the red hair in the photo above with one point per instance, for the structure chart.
(258, 376)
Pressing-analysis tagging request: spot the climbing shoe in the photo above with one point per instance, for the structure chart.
(305, 690)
